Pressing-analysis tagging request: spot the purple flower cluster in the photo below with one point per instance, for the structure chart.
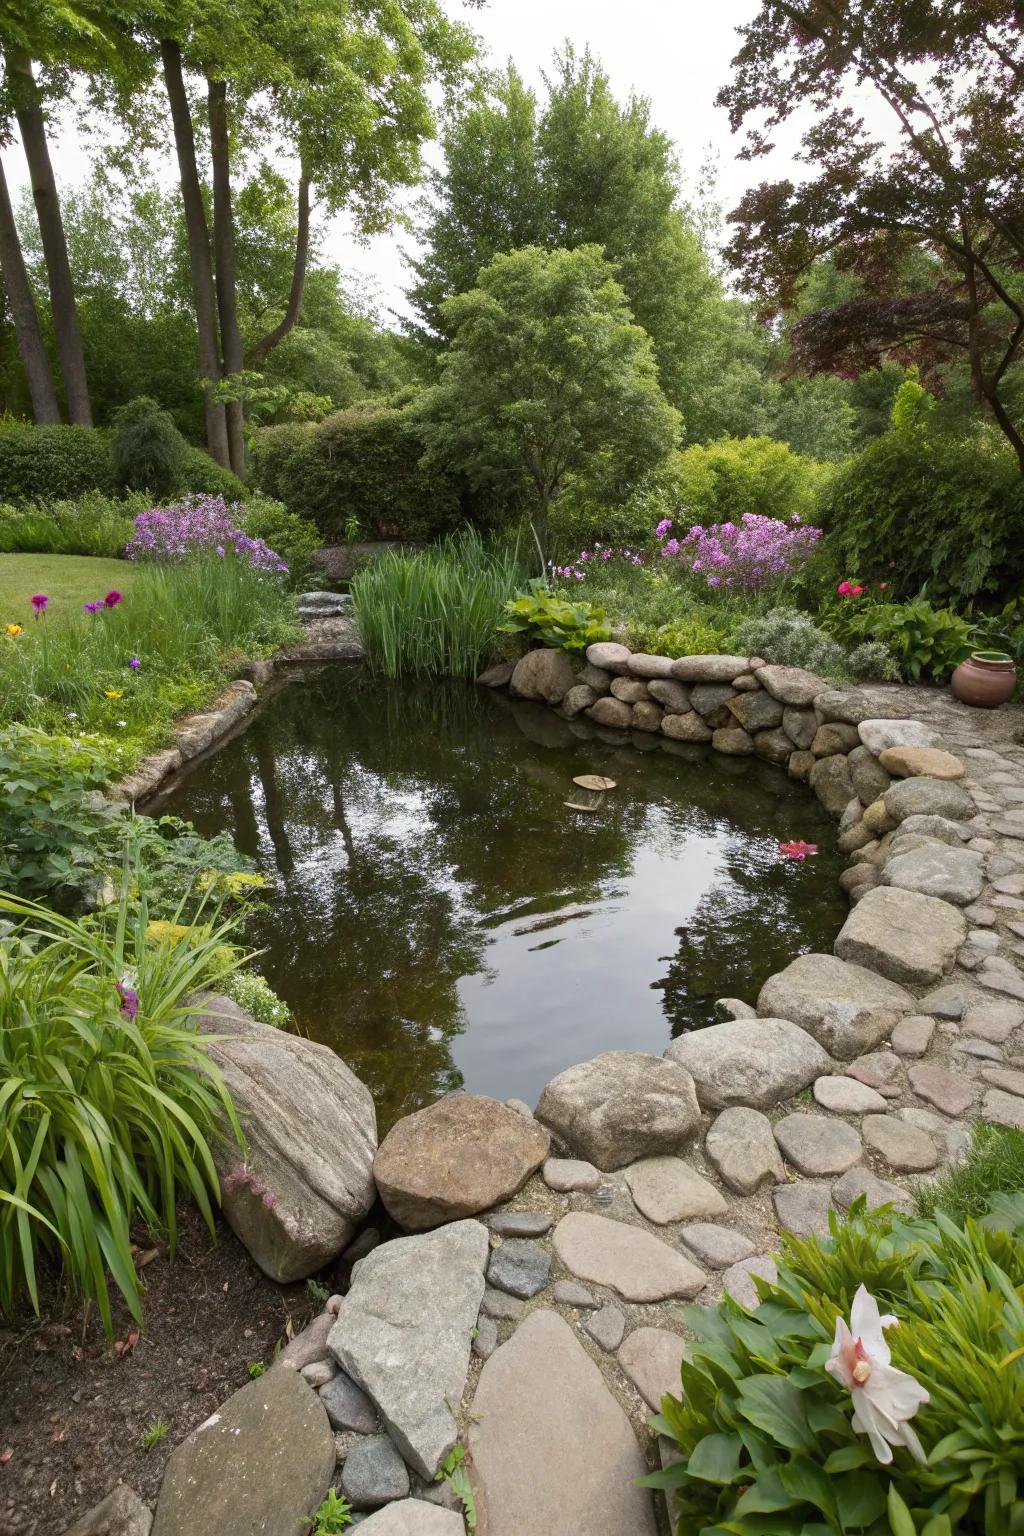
(576, 571)
(750, 554)
(196, 525)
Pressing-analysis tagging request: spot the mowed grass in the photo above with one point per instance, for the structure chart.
(68, 581)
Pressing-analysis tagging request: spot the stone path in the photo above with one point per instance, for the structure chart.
(541, 1325)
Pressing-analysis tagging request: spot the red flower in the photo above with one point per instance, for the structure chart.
(797, 850)
(112, 599)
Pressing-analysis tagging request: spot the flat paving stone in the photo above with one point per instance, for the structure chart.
(816, 1144)
(606, 1326)
(1003, 1108)
(485, 1340)
(564, 1174)
(741, 1148)
(626, 1259)
(845, 1096)
(982, 1050)
(1006, 1078)
(913, 1035)
(948, 1091)
(946, 1002)
(861, 1181)
(909, 938)
(374, 1473)
(651, 1358)
(520, 1223)
(881, 1070)
(902, 1146)
(665, 1189)
(500, 1305)
(803, 1208)
(550, 1449)
(520, 1266)
(993, 1021)
(570, 1293)
(413, 1517)
(738, 1279)
(348, 1406)
(715, 1246)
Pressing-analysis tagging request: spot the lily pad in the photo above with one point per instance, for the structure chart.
(595, 781)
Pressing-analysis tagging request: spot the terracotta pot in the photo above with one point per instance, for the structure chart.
(986, 679)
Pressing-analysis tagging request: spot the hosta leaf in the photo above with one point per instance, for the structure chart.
(773, 1404)
(848, 1458)
(901, 1521)
(716, 1458)
(860, 1498)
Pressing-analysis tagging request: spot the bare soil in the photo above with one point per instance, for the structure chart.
(74, 1408)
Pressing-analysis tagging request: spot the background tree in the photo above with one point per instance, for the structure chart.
(547, 376)
(932, 223)
(579, 169)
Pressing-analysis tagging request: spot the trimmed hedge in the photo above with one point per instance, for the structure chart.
(44, 464)
(361, 463)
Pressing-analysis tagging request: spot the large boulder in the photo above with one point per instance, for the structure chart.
(847, 1008)
(846, 705)
(306, 1178)
(685, 727)
(903, 935)
(756, 711)
(261, 1464)
(926, 762)
(551, 1451)
(880, 734)
(929, 797)
(642, 665)
(544, 674)
(610, 656)
(404, 1333)
(755, 1062)
(621, 1106)
(951, 874)
(792, 685)
(456, 1157)
(830, 779)
(708, 669)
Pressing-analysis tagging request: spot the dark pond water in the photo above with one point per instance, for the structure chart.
(442, 920)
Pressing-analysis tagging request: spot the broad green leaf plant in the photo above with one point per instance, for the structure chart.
(764, 1431)
(555, 621)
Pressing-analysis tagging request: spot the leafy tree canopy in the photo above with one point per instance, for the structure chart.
(547, 376)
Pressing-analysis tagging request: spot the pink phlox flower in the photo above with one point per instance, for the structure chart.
(663, 528)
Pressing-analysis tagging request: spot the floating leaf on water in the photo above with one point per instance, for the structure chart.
(576, 805)
(595, 781)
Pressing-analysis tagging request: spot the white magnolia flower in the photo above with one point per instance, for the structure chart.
(884, 1399)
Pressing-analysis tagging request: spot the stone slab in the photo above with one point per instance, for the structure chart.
(626, 1259)
(665, 1189)
(907, 937)
(651, 1358)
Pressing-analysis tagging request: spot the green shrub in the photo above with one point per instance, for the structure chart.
(923, 641)
(202, 476)
(583, 516)
(147, 449)
(994, 1165)
(789, 639)
(294, 538)
(696, 635)
(554, 621)
(110, 1097)
(872, 662)
(765, 1432)
(92, 524)
(917, 506)
(361, 463)
(41, 464)
(254, 993)
(435, 610)
(721, 481)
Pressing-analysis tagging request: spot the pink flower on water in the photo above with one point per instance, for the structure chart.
(112, 599)
(39, 600)
(797, 850)
(884, 1399)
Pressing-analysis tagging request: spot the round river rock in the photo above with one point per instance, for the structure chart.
(621, 1106)
(454, 1158)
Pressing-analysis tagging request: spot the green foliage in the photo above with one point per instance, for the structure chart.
(453, 1472)
(765, 1432)
(361, 463)
(151, 1437)
(919, 507)
(104, 1117)
(873, 662)
(202, 476)
(720, 482)
(554, 621)
(333, 1516)
(699, 634)
(256, 1368)
(994, 1165)
(92, 524)
(436, 610)
(294, 538)
(147, 449)
(790, 639)
(922, 640)
(1002, 630)
(254, 993)
(41, 464)
(547, 376)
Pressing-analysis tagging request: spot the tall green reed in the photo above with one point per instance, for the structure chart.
(436, 611)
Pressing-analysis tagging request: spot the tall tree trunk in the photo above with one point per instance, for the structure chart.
(259, 350)
(32, 123)
(224, 263)
(200, 263)
(45, 409)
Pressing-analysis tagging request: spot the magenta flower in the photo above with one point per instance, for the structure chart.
(39, 601)
(797, 850)
(112, 599)
(129, 999)
(663, 528)
(92, 607)
(135, 663)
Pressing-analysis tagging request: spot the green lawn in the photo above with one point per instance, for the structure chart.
(68, 581)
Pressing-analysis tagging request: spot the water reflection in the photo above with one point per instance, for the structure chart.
(441, 919)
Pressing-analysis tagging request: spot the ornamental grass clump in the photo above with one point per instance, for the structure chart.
(877, 1388)
(108, 1097)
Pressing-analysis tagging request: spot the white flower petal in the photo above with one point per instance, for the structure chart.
(894, 1392)
(866, 1325)
(864, 1422)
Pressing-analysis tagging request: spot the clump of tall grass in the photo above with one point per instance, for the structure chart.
(994, 1165)
(128, 668)
(436, 611)
(108, 1097)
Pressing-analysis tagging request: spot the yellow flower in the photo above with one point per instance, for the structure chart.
(113, 693)
(14, 629)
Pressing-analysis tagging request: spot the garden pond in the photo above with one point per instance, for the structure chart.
(442, 919)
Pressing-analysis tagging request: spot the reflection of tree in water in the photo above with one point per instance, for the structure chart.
(746, 927)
